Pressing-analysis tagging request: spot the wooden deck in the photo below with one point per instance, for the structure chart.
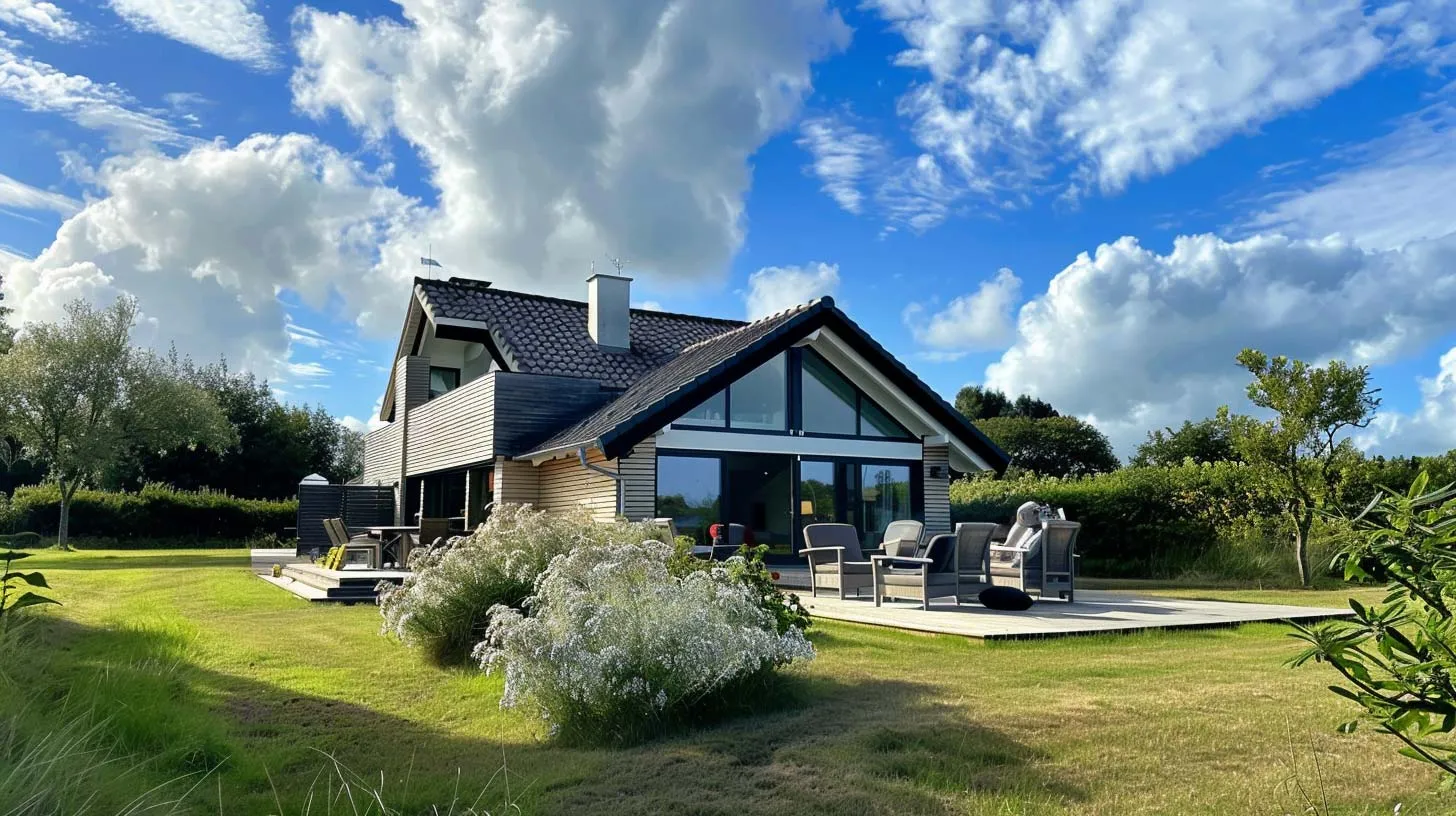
(314, 583)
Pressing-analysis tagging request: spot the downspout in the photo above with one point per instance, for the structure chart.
(610, 474)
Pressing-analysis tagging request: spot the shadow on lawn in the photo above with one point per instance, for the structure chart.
(830, 747)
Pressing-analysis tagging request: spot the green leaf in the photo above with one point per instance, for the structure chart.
(30, 599)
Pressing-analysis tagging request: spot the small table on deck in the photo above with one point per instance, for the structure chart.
(397, 535)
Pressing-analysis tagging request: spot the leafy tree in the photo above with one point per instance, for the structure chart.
(77, 395)
(1032, 408)
(978, 402)
(1398, 657)
(1057, 446)
(7, 332)
(349, 455)
(1303, 449)
(1205, 441)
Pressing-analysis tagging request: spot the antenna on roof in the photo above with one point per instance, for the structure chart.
(617, 262)
(429, 261)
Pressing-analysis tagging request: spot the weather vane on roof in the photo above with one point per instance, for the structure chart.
(616, 262)
(429, 260)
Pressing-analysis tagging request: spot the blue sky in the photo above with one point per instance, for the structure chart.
(1098, 202)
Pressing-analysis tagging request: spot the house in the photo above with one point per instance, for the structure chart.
(797, 418)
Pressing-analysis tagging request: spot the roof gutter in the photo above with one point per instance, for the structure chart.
(610, 474)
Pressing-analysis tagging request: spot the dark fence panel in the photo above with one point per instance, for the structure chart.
(357, 505)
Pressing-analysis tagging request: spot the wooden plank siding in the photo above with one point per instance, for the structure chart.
(639, 477)
(937, 491)
(454, 430)
(516, 482)
(381, 455)
(531, 407)
(565, 485)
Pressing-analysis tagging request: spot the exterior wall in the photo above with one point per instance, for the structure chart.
(454, 430)
(531, 407)
(382, 451)
(937, 491)
(566, 485)
(516, 482)
(639, 477)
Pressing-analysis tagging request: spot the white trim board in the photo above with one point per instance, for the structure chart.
(684, 439)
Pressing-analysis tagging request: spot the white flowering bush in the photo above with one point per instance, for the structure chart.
(616, 648)
(444, 604)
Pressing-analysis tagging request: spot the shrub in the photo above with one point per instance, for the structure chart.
(445, 603)
(156, 512)
(617, 649)
(1136, 522)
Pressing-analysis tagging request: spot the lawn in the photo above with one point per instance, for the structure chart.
(194, 663)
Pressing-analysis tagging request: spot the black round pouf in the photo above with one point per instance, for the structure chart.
(1005, 598)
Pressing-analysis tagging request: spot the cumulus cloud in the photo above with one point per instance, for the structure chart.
(230, 29)
(1017, 95)
(1133, 339)
(39, 17)
(1383, 193)
(556, 132)
(775, 288)
(41, 88)
(18, 194)
(207, 240)
(980, 321)
(1428, 430)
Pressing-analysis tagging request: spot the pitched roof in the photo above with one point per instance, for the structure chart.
(546, 335)
(703, 369)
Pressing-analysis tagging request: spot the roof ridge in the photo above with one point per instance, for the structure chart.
(485, 286)
(825, 299)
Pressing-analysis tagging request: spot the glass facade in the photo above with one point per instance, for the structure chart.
(711, 414)
(884, 496)
(690, 492)
(760, 399)
(828, 400)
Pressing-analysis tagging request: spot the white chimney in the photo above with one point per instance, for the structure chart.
(609, 310)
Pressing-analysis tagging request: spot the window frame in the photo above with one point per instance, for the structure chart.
(451, 369)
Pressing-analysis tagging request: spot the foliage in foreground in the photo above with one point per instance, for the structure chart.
(14, 592)
(617, 649)
(1398, 657)
(445, 604)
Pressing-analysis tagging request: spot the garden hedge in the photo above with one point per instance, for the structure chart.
(1136, 522)
(155, 513)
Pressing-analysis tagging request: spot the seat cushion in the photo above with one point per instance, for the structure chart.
(1005, 598)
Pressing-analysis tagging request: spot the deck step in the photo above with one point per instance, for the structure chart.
(335, 585)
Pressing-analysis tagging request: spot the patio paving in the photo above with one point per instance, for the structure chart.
(1093, 612)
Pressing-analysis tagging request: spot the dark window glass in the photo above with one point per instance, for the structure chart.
(817, 485)
(760, 400)
(884, 496)
(443, 380)
(689, 489)
(711, 414)
(873, 421)
(828, 398)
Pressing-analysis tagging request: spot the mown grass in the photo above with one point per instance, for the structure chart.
(193, 665)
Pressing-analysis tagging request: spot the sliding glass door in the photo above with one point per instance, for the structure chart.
(866, 495)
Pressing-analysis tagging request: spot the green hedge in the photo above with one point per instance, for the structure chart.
(1136, 522)
(155, 513)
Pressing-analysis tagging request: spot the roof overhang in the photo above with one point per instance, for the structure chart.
(421, 315)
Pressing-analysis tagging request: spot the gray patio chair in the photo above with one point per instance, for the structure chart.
(973, 555)
(933, 575)
(902, 537)
(1044, 562)
(835, 559)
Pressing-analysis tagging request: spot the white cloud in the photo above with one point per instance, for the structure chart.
(1015, 94)
(230, 29)
(358, 425)
(40, 88)
(1134, 340)
(1386, 192)
(207, 240)
(1430, 429)
(22, 196)
(39, 17)
(844, 158)
(556, 132)
(649, 305)
(980, 321)
(775, 288)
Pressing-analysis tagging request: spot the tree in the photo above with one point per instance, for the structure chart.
(349, 455)
(7, 333)
(1032, 408)
(978, 402)
(1205, 441)
(1304, 448)
(77, 395)
(1056, 446)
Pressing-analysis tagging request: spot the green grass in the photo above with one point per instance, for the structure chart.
(191, 663)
